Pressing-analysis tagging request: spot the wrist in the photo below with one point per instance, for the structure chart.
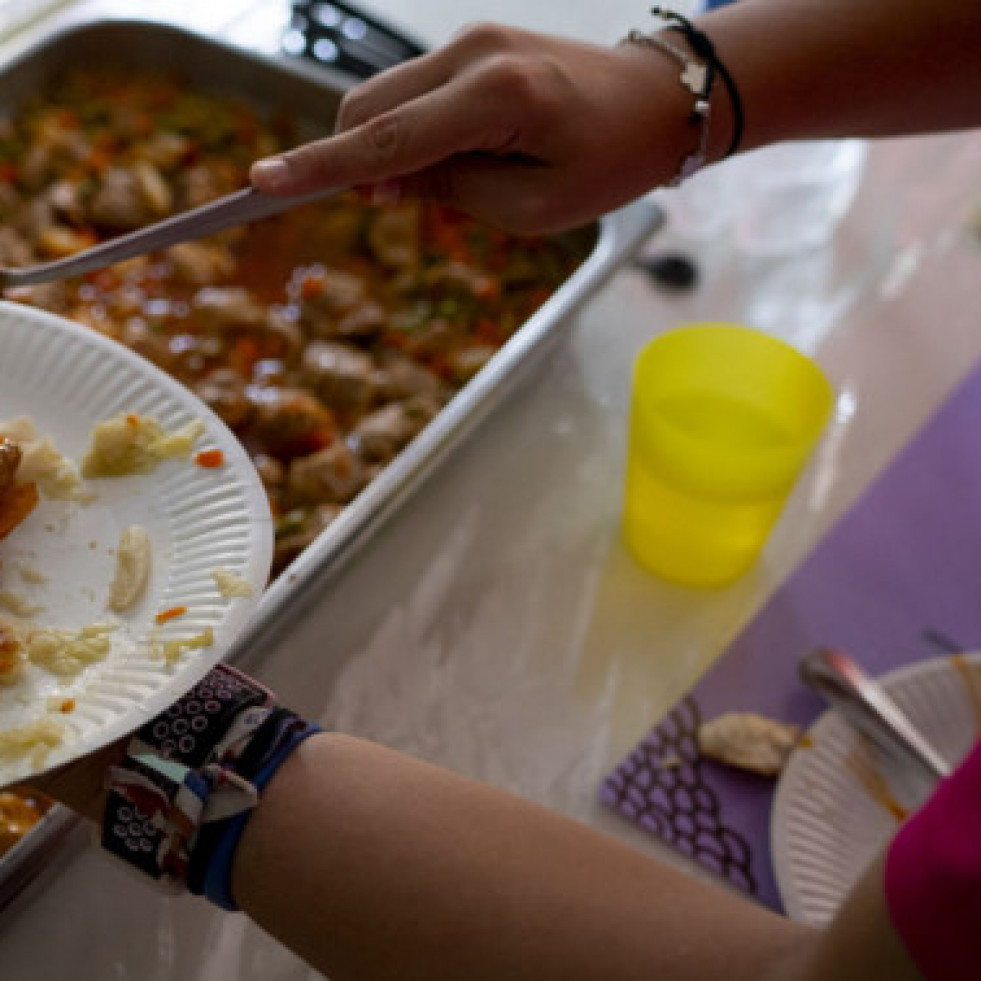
(658, 116)
(671, 132)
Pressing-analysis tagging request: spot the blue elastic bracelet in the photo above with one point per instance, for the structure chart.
(217, 885)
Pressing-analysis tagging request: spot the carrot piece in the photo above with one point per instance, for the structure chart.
(210, 459)
(172, 614)
(313, 285)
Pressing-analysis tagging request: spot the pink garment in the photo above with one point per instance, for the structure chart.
(933, 878)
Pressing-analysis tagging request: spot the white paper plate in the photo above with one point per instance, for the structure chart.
(830, 818)
(67, 378)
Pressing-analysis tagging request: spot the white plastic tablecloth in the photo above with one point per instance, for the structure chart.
(496, 626)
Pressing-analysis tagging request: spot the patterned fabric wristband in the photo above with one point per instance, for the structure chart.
(178, 775)
(210, 872)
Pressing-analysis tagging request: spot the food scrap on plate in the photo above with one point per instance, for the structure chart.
(31, 468)
(17, 500)
(749, 741)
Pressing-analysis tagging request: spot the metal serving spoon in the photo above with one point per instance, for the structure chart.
(238, 208)
(867, 706)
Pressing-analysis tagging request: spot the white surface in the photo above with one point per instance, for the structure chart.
(498, 626)
(67, 379)
(830, 818)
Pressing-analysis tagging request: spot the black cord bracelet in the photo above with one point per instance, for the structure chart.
(702, 45)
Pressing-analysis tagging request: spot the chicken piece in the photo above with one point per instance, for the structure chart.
(287, 422)
(434, 337)
(35, 215)
(399, 377)
(327, 296)
(395, 236)
(194, 355)
(140, 337)
(120, 203)
(199, 263)
(331, 476)
(36, 166)
(381, 434)
(271, 472)
(66, 201)
(47, 296)
(223, 391)
(334, 291)
(284, 335)
(202, 183)
(465, 362)
(154, 190)
(367, 319)
(165, 150)
(14, 249)
(228, 307)
(59, 241)
(52, 146)
(10, 201)
(748, 741)
(458, 279)
(298, 528)
(342, 376)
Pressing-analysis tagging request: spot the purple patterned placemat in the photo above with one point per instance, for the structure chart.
(898, 573)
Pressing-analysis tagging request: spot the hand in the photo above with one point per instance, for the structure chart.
(80, 784)
(530, 132)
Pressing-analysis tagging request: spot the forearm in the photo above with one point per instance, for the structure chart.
(861, 943)
(373, 865)
(851, 67)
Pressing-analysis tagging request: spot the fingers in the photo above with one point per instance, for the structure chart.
(468, 51)
(461, 98)
(456, 118)
(392, 88)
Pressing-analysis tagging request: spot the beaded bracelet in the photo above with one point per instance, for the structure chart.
(702, 45)
(697, 78)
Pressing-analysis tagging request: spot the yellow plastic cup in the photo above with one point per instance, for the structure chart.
(723, 419)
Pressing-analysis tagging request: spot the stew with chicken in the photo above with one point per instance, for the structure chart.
(326, 338)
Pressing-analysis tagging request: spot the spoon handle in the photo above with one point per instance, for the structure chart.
(238, 208)
(864, 702)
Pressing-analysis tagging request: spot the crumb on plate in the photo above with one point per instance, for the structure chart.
(170, 651)
(230, 583)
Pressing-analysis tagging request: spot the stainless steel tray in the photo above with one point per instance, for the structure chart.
(313, 94)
